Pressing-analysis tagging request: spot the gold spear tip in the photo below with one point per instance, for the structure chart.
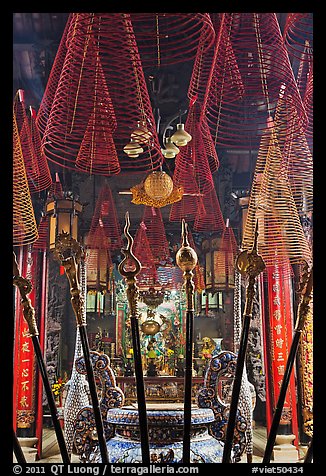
(186, 257)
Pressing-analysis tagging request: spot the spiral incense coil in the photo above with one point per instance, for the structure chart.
(142, 250)
(168, 38)
(272, 206)
(155, 231)
(105, 215)
(297, 34)
(42, 241)
(98, 259)
(36, 165)
(52, 82)
(24, 223)
(209, 217)
(200, 152)
(94, 104)
(244, 88)
(297, 164)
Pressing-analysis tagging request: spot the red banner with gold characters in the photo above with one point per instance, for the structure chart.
(24, 358)
(280, 331)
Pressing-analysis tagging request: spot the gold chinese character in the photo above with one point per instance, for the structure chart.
(276, 301)
(25, 347)
(277, 314)
(25, 333)
(280, 369)
(279, 343)
(278, 328)
(280, 357)
(23, 402)
(25, 372)
(25, 386)
(276, 287)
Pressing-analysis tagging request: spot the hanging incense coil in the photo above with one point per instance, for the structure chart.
(238, 109)
(37, 169)
(169, 38)
(42, 242)
(209, 217)
(105, 215)
(142, 250)
(156, 235)
(298, 34)
(92, 98)
(271, 205)
(24, 223)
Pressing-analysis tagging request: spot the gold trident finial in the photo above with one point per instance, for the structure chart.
(250, 263)
(133, 269)
(25, 287)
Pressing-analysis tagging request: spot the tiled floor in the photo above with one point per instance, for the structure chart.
(51, 454)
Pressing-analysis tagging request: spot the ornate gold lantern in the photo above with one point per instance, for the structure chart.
(158, 185)
(63, 217)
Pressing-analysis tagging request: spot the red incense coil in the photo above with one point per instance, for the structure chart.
(142, 251)
(56, 189)
(169, 38)
(271, 204)
(156, 235)
(100, 46)
(37, 169)
(98, 259)
(308, 102)
(238, 107)
(105, 215)
(24, 223)
(52, 82)
(200, 151)
(298, 35)
(185, 176)
(209, 217)
(42, 241)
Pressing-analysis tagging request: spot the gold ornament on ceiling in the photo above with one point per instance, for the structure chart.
(157, 190)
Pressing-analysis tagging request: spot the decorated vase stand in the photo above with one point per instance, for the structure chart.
(165, 424)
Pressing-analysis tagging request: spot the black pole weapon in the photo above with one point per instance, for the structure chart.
(69, 252)
(309, 454)
(302, 312)
(25, 287)
(129, 274)
(20, 457)
(250, 264)
(186, 259)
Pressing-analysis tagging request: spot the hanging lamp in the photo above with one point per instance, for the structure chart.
(158, 185)
(170, 150)
(181, 137)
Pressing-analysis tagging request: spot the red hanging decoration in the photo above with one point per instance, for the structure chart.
(98, 260)
(37, 169)
(155, 232)
(42, 242)
(184, 176)
(169, 38)
(101, 68)
(105, 216)
(298, 35)
(52, 82)
(228, 251)
(244, 86)
(142, 251)
(209, 217)
(56, 189)
(200, 151)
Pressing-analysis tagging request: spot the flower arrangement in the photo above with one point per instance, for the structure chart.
(57, 388)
